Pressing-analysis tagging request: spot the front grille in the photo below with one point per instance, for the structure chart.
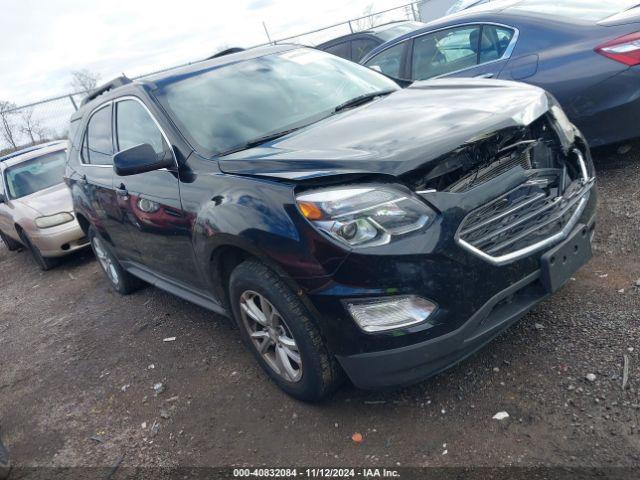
(525, 218)
(492, 170)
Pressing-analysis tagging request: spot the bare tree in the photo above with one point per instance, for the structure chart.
(369, 19)
(7, 127)
(32, 127)
(84, 80)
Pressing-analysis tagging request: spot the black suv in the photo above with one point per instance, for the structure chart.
(346, 224)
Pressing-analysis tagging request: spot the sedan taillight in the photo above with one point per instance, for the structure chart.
(623, 49)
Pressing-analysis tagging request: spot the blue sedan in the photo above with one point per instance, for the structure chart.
(585, 52)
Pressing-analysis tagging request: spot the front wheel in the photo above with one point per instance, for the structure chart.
(119, 279)
(278, 329)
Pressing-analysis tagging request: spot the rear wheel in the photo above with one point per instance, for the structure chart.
(119, 279)
(278, 329)
(11, 244)
(45, 263)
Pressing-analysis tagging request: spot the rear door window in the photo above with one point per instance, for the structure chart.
(388, 61)
(446, 51)
(97, 144)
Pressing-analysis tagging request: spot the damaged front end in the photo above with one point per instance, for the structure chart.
(554, 167)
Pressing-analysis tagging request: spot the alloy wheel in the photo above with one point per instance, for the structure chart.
(106, 261)
(271, 336)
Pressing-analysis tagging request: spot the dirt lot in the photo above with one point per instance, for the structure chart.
(78, 364)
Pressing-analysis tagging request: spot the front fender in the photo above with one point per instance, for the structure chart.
(260, 217)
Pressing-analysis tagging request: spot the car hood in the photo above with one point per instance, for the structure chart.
(49, 201)
(397, 133)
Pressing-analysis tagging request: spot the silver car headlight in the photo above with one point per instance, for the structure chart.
(53, 220)
(365, 216)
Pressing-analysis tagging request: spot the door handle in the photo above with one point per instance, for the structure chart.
(122, 191)
(485, 75)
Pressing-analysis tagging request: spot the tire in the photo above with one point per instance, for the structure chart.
(11, 244)
(119, 279)
(45, 263)
(290, 331)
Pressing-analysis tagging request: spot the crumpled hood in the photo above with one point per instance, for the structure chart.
(50, 201)
(398, 133)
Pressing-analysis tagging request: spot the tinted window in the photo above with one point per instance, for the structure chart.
(444, 52)
(134, 126)
(342, 50)
(360, 47)
(388, 61)
(494, 42)
(222, 109)
(97, 148)
(34, 175)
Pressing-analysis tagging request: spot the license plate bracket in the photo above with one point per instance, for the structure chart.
(560, 263)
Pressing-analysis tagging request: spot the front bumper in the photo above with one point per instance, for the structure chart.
(410, 364)
(476, 300)
(59, 241)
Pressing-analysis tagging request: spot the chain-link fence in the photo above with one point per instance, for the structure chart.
(48, 119)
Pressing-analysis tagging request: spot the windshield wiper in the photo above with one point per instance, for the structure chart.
(362, 99)
(259, 141)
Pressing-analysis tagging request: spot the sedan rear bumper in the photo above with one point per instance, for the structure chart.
(61, 240)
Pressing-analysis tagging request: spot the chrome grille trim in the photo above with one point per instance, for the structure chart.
(578, 202)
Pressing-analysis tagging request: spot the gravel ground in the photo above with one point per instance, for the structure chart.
(78, 364)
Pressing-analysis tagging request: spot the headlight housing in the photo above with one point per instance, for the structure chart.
(53, 220)
(366, 215)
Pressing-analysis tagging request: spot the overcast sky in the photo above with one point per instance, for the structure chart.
(43, 41)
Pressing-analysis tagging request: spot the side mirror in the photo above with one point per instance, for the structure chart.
(140, 159)
(2, 198)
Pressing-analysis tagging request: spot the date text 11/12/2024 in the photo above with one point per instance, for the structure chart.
(315, 473)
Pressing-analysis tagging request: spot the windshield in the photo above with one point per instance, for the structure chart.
(224, 108)
(587, 10)
(34, 175)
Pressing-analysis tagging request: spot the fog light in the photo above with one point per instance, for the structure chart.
(389, 313)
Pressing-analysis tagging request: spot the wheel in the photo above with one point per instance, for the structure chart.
(278, 329)
(45, 263)
(119, 279)
(11, 244)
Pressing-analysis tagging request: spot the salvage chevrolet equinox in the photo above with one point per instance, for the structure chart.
(348, 225)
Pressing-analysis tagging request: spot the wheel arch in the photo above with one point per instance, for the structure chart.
(225, 258)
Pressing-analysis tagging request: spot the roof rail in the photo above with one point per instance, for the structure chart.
(228, 51)
(96, 92)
